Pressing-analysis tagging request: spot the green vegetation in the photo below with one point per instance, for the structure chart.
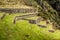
(23, 30)
(10, 31)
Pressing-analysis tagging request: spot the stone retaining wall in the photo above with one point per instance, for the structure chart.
(20, 10)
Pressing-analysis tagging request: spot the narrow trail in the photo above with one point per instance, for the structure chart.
(27, 16)
(23, 17)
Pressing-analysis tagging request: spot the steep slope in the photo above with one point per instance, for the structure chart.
(22, 29)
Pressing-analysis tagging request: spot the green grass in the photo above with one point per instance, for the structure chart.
(10, 31)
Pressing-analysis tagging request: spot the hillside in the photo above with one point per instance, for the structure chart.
(29, 20)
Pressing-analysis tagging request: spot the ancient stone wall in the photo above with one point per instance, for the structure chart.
(20, 10)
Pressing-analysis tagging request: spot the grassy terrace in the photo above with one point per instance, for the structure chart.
(23, 30)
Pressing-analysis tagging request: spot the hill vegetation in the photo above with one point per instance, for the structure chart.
(29, 24)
